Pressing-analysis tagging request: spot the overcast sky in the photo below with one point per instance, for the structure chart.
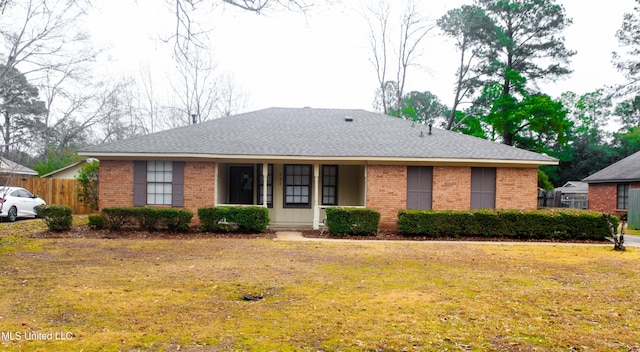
(321, 59)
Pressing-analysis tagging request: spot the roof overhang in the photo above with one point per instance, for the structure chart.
(613, 181)
(305, 158)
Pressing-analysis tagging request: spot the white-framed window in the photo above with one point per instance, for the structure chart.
(159, 182)
(297, 186)
(329, 184)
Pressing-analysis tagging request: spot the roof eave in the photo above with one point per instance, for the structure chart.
(363, 159)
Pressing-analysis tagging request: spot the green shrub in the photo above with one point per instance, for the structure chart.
(96, 221)
(175, 220)
(57, 217)
(149, 219)
(352, 221)
(116, 218)
(539, 224)
(251, 219)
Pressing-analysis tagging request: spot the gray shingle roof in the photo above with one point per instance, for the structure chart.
(306, 132)
(625, 170)
(9, 167)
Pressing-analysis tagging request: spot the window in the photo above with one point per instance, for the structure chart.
(623, 196)
(329, 184)
(269, 185)
(483, 187)
(159, 182)
(419, 187)
(297, 186)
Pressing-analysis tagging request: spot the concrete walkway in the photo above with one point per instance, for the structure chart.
(297, 236)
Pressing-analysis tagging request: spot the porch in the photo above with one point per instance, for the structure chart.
(297, 194)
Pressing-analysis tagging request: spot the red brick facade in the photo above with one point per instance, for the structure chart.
(451, 188)
(603, 197)
(199, 190)
(516, 188)
(386, 188)
(116, 184)
(387, 192)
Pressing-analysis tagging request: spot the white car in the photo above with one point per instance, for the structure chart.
(16, 202)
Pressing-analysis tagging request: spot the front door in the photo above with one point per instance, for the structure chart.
(241, 184)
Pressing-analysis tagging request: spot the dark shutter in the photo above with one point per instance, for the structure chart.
(139, 183)
(177, 190)
(483, 187)
(419, 187)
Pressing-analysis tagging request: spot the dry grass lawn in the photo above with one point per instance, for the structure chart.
(186, 295)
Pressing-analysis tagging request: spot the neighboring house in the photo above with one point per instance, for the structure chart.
(574, 194)
(11, 171)
(299, 161)
(609, 187)
(69, 172)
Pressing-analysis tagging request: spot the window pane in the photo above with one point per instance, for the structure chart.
(623, 196)
(297, 185)
(159, 182)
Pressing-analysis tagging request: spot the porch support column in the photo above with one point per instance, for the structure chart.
(316, 204)
(265, 174)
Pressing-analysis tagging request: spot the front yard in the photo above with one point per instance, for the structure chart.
(187, 294)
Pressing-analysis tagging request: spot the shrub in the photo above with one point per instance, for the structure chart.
(175, 220)
(96, 221)
(352, 221)
(57, 217)
(250, 219)
(149, 219)
(116, 218)
(540, 224)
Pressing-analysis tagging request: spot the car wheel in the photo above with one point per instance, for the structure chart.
(12, 215)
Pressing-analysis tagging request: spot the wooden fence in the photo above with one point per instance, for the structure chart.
(56, 191)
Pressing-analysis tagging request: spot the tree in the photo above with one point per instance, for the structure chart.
(196, 89)
(44, 39)
(629, 112)
(470, 27)
(19, 101)
(188, 29)
(528, 46)
(628, 62)
(587, 150)
(88, 177)
(413, 29)
(421, 107)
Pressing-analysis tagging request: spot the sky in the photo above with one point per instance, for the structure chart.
(322, 58)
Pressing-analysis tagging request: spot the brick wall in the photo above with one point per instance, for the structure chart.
(199, 181)
(387, 192)
(451, 188)
(116, 184)
(603, 197)
(516, 188)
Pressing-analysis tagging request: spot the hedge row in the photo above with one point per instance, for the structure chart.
(541, 224)
(352, 221)
(149, 219)
(251, 219)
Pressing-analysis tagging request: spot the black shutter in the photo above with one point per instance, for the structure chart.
(139, 183)
(177, 190)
